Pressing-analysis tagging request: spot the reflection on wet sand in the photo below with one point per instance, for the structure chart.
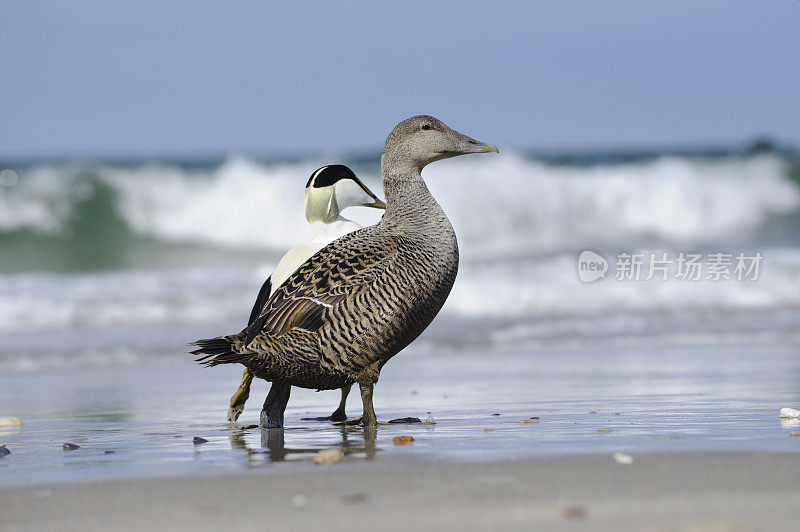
(355, 441)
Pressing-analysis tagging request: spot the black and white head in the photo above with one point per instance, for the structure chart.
(421, 140)
(333, 188)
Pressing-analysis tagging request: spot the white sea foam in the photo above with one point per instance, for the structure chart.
(512, 204)
(532, 289)
(41, 200)
(241, 203)
(52, 302)
(542, 287)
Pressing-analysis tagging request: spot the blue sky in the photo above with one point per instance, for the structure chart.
(188, 77)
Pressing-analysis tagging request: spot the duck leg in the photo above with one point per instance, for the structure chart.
(368, 418)
(338, 414)
(240, 397)
(275, 405)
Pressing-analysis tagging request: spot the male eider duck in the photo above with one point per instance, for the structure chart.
(330, 190)
(365, 296)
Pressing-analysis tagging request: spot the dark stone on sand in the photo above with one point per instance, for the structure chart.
(495, 414)
(4, 451)
(108, 452)
(70, 446)
(198, 440)
(406, 420)
(355, 498)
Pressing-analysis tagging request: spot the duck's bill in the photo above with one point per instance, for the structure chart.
(373, 201)
(464, 145)
(471, 145)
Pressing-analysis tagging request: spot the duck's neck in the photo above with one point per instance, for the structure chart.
(407, 197)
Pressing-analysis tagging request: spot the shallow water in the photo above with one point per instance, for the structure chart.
(653, 400)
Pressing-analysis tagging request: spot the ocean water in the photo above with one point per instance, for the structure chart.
(110, 263)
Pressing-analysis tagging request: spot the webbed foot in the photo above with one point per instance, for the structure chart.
(234, 412)
(337, 417)
(338, 414)
(356, 421)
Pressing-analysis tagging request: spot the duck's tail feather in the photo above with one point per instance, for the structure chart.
(220, 350)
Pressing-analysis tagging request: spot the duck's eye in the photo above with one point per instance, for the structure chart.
(426, 126)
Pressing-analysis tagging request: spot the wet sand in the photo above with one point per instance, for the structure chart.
(677, 491)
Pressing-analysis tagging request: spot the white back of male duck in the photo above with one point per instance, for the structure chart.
(361, 299)
(329, 191)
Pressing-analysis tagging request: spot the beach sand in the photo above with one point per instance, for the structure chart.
(678, 491)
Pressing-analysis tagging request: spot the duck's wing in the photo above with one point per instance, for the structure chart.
(339, 271)
(261, 300)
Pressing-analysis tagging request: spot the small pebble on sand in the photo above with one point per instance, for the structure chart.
(604, 431)
(572, 511)
(402, 440)
(108, 452)
(299, 501)
(70, 446)
(328, 456)
(622, 458)
(198, 440)
(790, 413)
(10, 422)
(4, 451)
(530, 420)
